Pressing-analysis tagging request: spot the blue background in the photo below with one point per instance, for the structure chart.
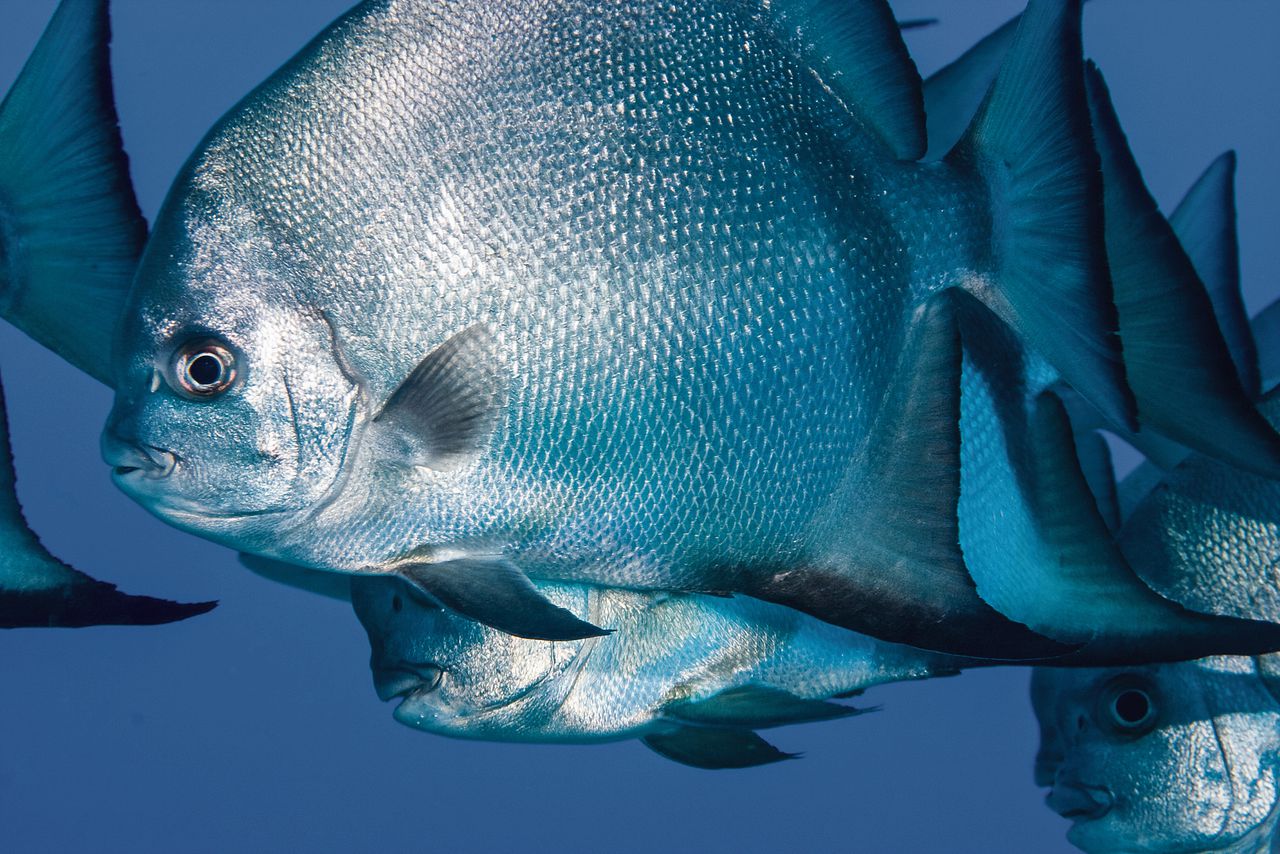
(256, 727)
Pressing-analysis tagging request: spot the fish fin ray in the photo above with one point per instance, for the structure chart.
(493, 591)
(1178, 364)
(953, 94)
(861, 55)
(1205, 224)
(448, 406)
(715, 749)
(1032, 143)
(71, 231)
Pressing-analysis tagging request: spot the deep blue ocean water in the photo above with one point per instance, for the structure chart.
(256, 727)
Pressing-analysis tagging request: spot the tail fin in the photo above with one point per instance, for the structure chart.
(1039, 550)
(1179, 366)
(1031, 142)
(37, 589)
(70, 228)
(1205, 223)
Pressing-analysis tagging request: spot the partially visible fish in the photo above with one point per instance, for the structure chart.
(692, 676)
(37, 589)
(1173, 758)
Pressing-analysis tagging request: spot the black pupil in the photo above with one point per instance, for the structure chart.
(396, 604)
(1132, 706)
(205, 369)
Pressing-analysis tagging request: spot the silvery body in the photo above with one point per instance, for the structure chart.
(664, 671)
(1179, 757)
(670, 273)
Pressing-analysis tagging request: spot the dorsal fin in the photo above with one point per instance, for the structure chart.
(1177, 362)
(1205, 223)
(1266, 336)
(953, 93)
(858, 51)
(1031, 142)
(70, 228)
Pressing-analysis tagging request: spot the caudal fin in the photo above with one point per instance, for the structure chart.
(1031, 142)
(70, 228)
(1182, 373)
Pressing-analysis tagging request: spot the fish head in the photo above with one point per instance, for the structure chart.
(232, 404)
(1165, 758)
(455, 676)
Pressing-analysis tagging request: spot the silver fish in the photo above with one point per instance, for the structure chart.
(692, 676)
(1178, 757)
(672, 273)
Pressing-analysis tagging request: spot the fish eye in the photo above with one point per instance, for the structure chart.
(1129, 707)
(204, 368)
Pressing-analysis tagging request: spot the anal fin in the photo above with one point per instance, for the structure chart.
(714, 749)
(493, 591)
(897, 572)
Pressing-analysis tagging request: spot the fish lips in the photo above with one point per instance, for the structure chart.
(1079, 802)
(405, 681)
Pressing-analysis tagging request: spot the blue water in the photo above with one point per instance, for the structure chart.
(256, 727)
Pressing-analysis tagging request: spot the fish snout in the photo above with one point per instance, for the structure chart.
(1079, 802)
(398, 679)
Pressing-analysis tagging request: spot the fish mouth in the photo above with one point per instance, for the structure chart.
(406, 681)
(141, 461)
(1079, 802)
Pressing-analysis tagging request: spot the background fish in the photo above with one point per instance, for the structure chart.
(1179, 757)
(692, 676)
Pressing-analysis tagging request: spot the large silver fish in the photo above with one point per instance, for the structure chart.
(1172, 758)
(681, 292)
(693, 676)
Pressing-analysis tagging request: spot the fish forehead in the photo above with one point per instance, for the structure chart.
(671, 225)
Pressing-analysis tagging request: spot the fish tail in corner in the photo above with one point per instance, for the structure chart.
(1031, 143)
(71, 231)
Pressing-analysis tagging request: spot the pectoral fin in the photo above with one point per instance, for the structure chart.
(446, 409)
(493, 591)
(714, 749)
(757, 707)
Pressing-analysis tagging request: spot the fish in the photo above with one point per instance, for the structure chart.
(692, 676)
(38, 590)
(615, 280)
(1173, 757)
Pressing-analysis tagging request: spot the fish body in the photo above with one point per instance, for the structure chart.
(674, 664)
(637, 295)
(1177, 757)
